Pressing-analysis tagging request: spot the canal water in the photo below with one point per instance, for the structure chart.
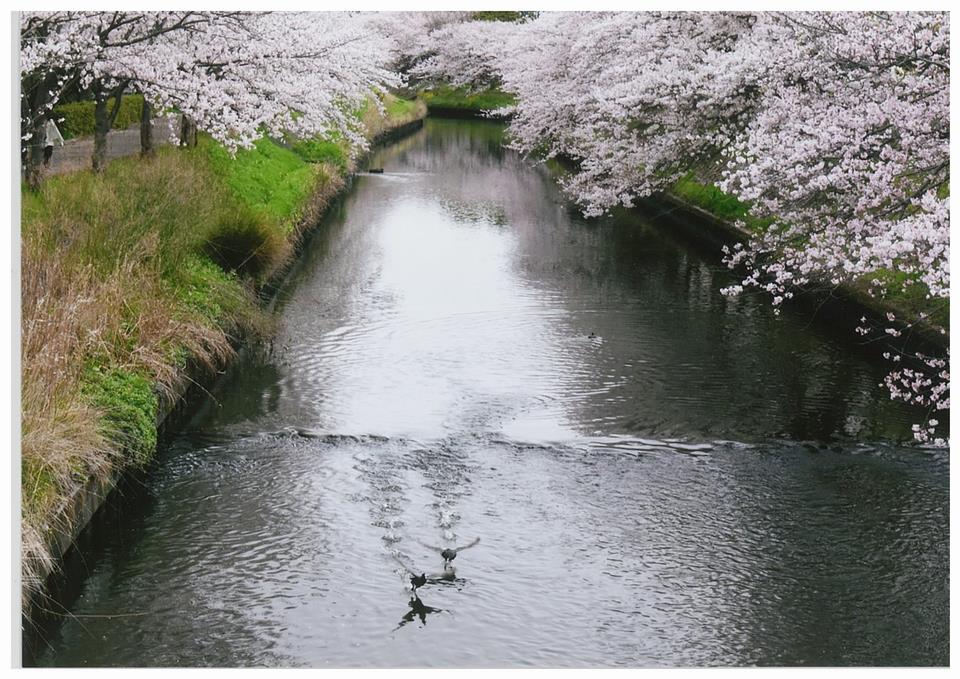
(658, 475)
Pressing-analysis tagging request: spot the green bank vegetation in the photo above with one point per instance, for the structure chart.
(463, 99)
(137, 281)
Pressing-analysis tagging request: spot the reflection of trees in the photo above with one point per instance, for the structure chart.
(773, 555)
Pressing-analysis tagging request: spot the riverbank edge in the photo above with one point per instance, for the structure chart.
(78, 509)
(842, 300)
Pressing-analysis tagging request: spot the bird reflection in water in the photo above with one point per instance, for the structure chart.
(418, 609)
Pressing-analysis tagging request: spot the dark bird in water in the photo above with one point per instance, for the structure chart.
(376, 170)
(450, 553)
(415, 580)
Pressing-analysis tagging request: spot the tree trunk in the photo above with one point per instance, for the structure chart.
(34, 109)
(188, 131)
(103, 117)
(33, 158)
(146, 129)
(101, 128)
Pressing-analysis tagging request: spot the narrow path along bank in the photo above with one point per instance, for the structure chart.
(252, 215)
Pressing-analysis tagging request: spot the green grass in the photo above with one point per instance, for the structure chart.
(398, 108)
(321, 150)
(332, 149)
(907, 301)
(461, 98)
(129, 405)
(272, 180)
(209, 291)
(502, 16)
(721, 205)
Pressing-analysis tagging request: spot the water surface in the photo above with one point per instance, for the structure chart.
(659, 475)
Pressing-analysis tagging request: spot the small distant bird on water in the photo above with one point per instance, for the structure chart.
(450, 553)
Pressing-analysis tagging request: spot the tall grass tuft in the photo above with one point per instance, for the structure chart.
(243, 243)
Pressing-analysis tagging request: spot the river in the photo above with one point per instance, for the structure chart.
(658, 475)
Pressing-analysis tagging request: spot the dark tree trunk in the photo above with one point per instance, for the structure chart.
(33, 156)
(103, 117)
(101, 128)
(146, 129)
(188, 131)
(34, 109)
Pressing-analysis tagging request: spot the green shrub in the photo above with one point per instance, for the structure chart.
(243, 243)
(78, 116)
(130, 406)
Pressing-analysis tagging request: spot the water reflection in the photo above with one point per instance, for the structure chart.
(418, 609)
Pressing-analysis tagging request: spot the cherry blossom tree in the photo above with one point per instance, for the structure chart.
(832, 127)
(277, 73)
(96, 53)
(413, 37)
(236, 75)
(848, 157)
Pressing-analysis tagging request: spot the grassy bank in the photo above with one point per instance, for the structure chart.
(445, 98)
(136, 282)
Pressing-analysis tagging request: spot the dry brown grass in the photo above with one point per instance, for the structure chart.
(60, 439)
(105, 282)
